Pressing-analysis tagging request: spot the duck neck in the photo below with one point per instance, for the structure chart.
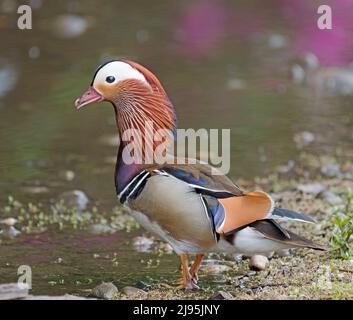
(146, 122)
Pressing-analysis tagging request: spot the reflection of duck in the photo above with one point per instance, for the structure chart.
(186, 205)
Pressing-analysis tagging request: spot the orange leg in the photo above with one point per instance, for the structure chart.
(187, 281)
(196, 266)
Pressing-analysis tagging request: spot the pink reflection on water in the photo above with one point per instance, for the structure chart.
(205, 23)
(201, 27)
(332, 47)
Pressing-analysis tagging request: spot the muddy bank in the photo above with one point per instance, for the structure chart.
(73, 251)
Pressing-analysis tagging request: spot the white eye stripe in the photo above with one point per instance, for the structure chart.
(120, 71)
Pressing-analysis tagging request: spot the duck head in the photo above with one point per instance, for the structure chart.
(135, 92)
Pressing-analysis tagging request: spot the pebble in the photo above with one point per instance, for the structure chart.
(311, 61)
(331, 170)
(286, 168)
(69, 26)
(8, 221)
(68, 175)
(277, 41)
(105, 290)
(258, 262)
(311, 188)
(238, 258)
(142, 244)
(98, 229)
(13, 291)
(9, 232)
(142, 285)
(331, 198)
(34, 52)
(298, 73)
(8, 78)
(221, 295)
(303, 139)
(75, 199)
(283, 253)
(215, 269)
(133, 291)
(166, 248)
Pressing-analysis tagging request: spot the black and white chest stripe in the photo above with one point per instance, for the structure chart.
(134, 187)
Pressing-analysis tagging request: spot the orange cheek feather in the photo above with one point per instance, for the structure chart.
(109, 92)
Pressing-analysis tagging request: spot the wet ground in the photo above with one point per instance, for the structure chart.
(264, 73)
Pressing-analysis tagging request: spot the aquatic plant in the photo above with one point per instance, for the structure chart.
(342, 234)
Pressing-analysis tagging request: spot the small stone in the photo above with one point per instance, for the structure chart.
(215, 269)
(298, 73)
(13, 291)
(311, 188)
(283, 253)
(331, 198)
(221, 295)
(277, 41)
(142, 244)
(8, 78)
(238, 258)
(331, 170)
(258, 263)
(133, 291)
(251, 274)
(34, 52)
(68, 175)
(142, 285)
(303, 139)
(286, 168)
(59, 260)
(8, 221)
(98, 229)
(166, 248)
(9, 232)
(69, 26)
(75, 199)
(311, 61)
(106, 290)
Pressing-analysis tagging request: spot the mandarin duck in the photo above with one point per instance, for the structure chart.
(194, 210)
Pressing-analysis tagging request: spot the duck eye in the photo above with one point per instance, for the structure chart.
(110, 79)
